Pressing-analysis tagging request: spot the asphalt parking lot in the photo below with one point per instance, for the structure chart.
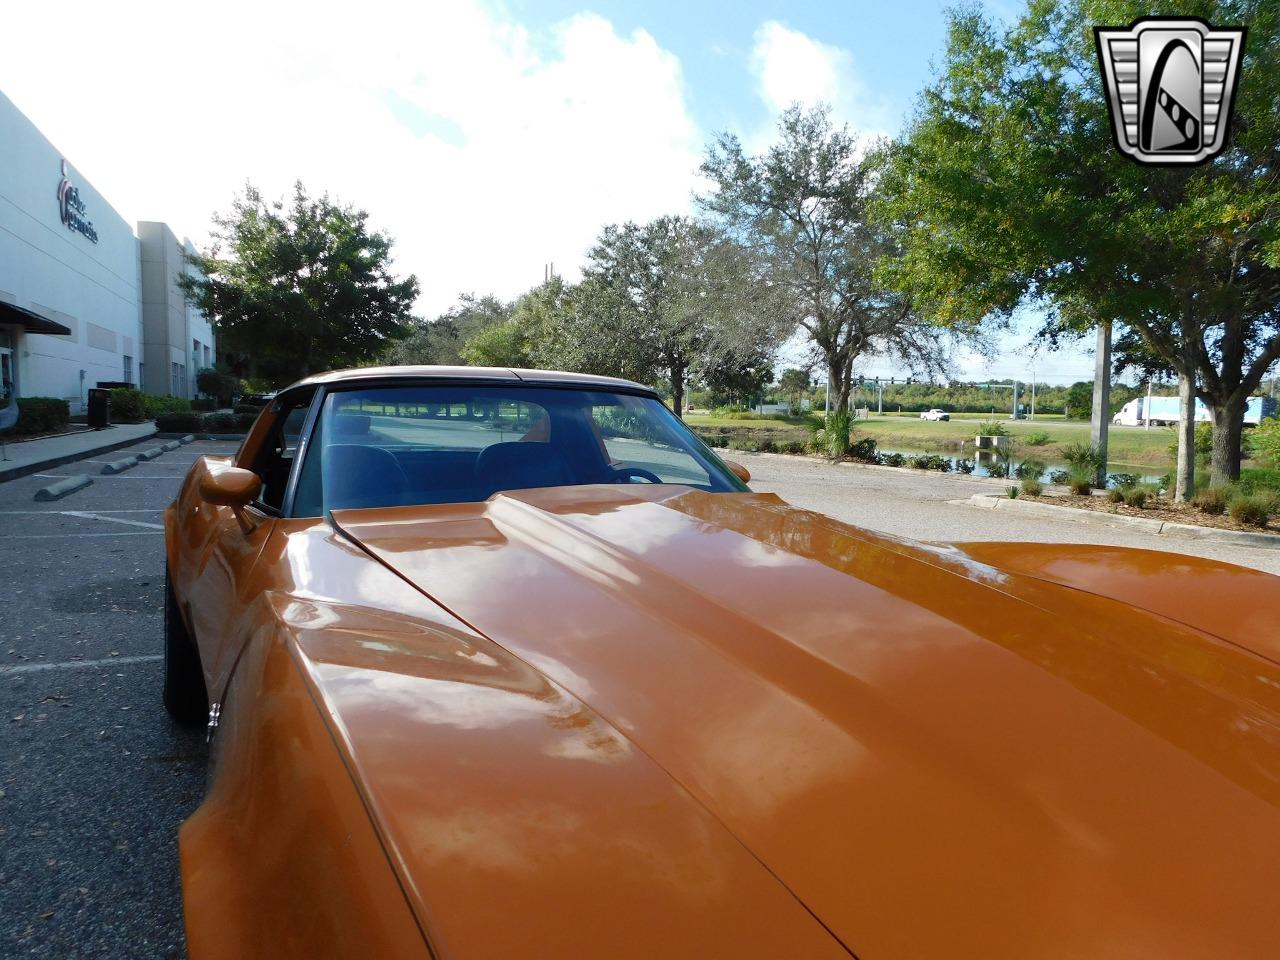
(94, 777)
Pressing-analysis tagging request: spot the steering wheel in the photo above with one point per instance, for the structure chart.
(623, 474)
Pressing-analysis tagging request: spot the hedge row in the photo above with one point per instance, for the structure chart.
(41, 415)
(134, 406)
(205, 422)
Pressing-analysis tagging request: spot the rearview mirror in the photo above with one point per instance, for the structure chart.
(229, 487)
(739, 471)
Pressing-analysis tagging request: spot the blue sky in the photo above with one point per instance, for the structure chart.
(487, 138)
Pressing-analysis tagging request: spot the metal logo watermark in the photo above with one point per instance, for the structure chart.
(1170, 83)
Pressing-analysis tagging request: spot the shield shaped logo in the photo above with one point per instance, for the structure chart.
(1170, 84)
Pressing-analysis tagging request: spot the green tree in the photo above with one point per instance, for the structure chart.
(794, 384)
(300, 288)
(802, 208)
(1079, 400)
(671, 298)
(441, 341)
(502, 345)
(1010, 191)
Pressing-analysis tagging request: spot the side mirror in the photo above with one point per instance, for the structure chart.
(739, 471)
(232, 487)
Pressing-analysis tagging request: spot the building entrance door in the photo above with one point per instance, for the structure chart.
(8, 381)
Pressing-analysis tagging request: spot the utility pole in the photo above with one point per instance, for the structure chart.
(880, 400)
(1146, 411)
(1015, 399)
(1100, 418)
(1033, 391)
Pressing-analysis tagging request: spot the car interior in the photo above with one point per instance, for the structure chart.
(465, 451)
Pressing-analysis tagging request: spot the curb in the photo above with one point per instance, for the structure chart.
(192, 437)
(56, 491)
(119, 466)
(1163, 528)
(13, 473)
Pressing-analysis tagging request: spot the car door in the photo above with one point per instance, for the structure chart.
(222, 588)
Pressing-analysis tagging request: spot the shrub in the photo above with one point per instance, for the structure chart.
(836, 430)
(205, 405)
(179, 423)
(244, 421)
(253, 409)
(219, 422)
(1032, 487)
(153, 405)
(864, 450)
(1084, 458)
(964, 466)
(41, 415)
(127, 405)
(892, 459)
(1264, 440)
(1030, 468)
(1203, 444)
(992, 428)
(1060, 477)
(799, 446)
(1251, 509)
(1212, 500)
(1080, 482)
(1115, 495)
(767, 446)
(1135, 497)
(1037, 439)
(930, 461)
(1012, 492)
(1123, 480)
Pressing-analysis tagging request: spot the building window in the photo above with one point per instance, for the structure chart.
(128, 368)
(179, 378)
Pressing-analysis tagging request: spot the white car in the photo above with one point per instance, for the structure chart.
(935, 414)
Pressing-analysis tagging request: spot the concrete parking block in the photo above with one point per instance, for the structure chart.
(189, 438)
(151, 453)
(171, 445)
(65, 487)
(119, 466)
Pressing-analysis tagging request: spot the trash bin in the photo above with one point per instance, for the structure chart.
(99, 408)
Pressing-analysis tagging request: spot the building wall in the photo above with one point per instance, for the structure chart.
(92, 288)
(179, 338)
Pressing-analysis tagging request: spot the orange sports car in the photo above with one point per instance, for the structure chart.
(506, 663)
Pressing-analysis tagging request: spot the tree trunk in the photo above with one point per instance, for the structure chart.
(834, 384)
(1101, 416)
(1228, 421)
(1185, 484)
(677, 389)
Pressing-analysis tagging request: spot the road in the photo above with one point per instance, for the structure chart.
(95, 779)
(914, 503)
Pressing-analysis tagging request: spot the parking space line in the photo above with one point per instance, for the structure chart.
(54, 513)
(22, 668)
(79, 536)
(96, 516)
(121, 476)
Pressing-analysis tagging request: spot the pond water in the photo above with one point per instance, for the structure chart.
(985, 460)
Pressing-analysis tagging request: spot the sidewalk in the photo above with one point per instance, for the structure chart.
(32, 456)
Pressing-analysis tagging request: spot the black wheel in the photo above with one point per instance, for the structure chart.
(184, 694)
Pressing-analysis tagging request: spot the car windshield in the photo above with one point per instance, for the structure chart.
(390, 446)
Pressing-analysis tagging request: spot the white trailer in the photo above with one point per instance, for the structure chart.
(1168, 410)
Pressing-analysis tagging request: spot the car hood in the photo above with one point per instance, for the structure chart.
(937, 757)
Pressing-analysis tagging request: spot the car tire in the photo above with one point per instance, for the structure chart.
(185, 697)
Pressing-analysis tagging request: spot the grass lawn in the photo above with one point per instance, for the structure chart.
(1129, 446)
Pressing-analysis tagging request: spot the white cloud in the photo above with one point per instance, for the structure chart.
(791, 66)
(484, 149)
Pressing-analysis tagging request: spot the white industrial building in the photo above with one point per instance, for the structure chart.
(84, 298)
